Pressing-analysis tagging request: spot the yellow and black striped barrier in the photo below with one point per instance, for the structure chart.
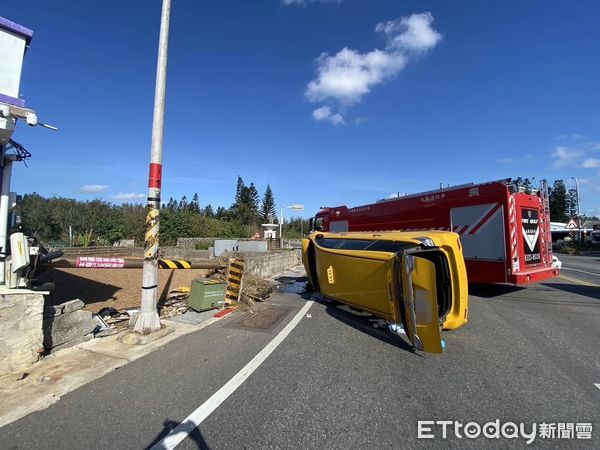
(235, 273)
(174, 264)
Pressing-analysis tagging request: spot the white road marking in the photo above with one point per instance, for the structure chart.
(582, 271)
(597, 385)
(190, 423)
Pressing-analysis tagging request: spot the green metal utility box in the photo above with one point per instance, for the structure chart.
(206, 294)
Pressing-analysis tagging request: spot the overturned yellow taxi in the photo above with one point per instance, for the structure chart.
(417, 279)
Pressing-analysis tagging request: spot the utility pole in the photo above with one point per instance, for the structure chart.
(148, 319)
(577, 209)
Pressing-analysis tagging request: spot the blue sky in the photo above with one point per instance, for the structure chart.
(330, 102)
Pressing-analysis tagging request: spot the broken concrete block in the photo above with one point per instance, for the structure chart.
(52, 310)
(20, 330)
(72, 305)
(68, 327)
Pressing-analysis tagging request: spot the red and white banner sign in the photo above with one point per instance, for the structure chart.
(95, 262)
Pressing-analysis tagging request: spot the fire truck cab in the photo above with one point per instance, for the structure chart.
(504, 228)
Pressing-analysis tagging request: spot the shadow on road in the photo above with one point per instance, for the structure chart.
(194, 433)
(362, 323)
(492, 290)
(586, 291)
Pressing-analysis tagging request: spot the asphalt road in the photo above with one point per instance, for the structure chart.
(585, 268)
(527, 355)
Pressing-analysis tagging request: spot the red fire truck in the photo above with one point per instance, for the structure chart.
(504, 227)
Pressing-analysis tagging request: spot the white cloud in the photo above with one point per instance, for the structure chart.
(306, 2)
(324, 113)
(349, 75)
(412, 33)
(360, 120)
(570, 137)
(565, 157)
(580, 156)
(128, 196)
(591, 163)
(507, 160)
(93, 188)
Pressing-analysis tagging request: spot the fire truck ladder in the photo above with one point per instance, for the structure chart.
(545, 223)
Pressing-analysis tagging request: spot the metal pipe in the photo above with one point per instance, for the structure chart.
(281, 228)
(101, 262)
(148, 319)
(4, 199)
(577, 194)
(578, 211)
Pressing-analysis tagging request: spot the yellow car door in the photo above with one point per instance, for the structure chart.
(419, 303)
(360, 279)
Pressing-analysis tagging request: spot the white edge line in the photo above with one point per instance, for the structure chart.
(597, 385)
(191, 422)
(582, 271)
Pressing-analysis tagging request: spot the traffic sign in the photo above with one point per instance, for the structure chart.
(571, 225)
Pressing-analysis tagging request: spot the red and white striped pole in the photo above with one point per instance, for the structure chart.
(148, 319)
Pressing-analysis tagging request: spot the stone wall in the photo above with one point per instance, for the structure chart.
(190, 243)
(21, 337)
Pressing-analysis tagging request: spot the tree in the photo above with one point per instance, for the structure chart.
(267, 207)
(208, 211)
(171, 204)
(253, 199)
(183, 204)
(221, 213)
(558, 202)
(239, 190)
(194, 205)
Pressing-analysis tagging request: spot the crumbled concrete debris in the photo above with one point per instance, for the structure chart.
(72, 306)
(254, 288)
(175, 304)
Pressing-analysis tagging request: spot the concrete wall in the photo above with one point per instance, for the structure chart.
(21, 336)
(272, 264)
(252, 246)
(184, 253)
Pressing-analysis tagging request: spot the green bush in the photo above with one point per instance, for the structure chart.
(203, 245)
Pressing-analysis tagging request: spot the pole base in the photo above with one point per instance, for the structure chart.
(147, 322)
